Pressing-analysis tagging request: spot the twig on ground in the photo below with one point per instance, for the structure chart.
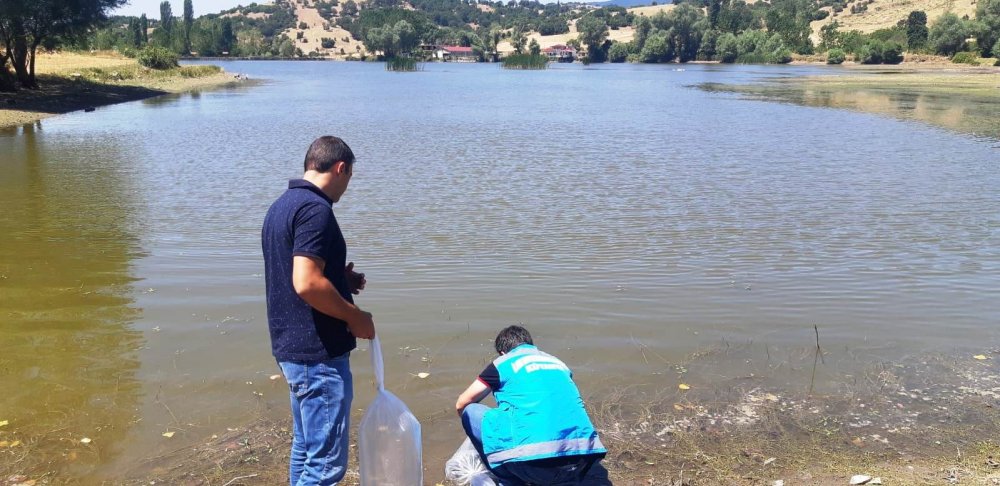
(237, 478)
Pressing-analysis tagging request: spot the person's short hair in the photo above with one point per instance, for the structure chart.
(325, 152)
(511, 337)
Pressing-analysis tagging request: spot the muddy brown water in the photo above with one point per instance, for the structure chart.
(628, 219)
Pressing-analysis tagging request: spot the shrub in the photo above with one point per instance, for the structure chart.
(726, 49)
(965, 58)
(199, 71)
(328, 43)
(155, 57)
(618, 52)
(303, 25)
(947, 36)
(892, 53)
(871, 53)
(836, 56)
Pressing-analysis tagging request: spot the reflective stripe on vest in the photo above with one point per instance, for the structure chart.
(564, 447)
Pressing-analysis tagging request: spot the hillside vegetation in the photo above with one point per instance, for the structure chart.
(885, 14)
(741, 31)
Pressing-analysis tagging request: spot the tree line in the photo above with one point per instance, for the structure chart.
(26, 25)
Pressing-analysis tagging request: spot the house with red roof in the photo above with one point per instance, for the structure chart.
(560, 53)
(456, 54)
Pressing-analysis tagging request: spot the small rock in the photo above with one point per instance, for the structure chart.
(860, 479)
(780, 482)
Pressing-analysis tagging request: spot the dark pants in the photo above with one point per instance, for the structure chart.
(557, 471)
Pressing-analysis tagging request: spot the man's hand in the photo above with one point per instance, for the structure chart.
(355, 281)
(362, 326)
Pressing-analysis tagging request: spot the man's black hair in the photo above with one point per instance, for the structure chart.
(325, 152)
(510, 338)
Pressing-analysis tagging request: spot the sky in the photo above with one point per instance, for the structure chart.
(201, 7)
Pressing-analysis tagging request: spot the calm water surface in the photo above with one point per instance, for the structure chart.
(611, 209)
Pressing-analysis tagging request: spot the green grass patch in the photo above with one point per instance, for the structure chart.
(199, 71)
(401, 64)
(525, 61)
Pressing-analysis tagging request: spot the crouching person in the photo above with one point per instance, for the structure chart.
(540, 432)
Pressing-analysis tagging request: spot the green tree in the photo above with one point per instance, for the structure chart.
(135, 34)
(659, 48)
(736, 16)
(518, 40)
(144, 27)
(916, 30)
(593, 31)
(688, 25)
(349, 9)
(829, 36)
(405, 36)
(188, 23)
(790, 19)
(286, 48)
(619, 51)
(726, 48)
(250, 42)
(227, 38)
(988, 27)
(947, 35)
(167, 19)
(871, 53)
(642, 27)
(27, 24)
(534, 48)
(714, 9)
(706, 49)
(892, 52)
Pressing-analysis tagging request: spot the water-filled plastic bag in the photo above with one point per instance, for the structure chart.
(388, 437)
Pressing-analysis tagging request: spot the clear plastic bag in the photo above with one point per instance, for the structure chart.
(466, 467)
(388, 437)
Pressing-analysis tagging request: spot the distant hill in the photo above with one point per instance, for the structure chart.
(883, 14)
(625, 3)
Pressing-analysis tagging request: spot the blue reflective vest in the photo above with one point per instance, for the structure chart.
(539, 412)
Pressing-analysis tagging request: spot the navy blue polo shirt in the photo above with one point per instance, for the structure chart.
(301, 223)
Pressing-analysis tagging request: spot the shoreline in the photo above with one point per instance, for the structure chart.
(959, 98)
(919, 420)
(74, 82)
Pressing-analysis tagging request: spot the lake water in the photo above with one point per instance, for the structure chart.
(617, 211)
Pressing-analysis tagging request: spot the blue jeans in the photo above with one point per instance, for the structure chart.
(321, 394)
(568, 470)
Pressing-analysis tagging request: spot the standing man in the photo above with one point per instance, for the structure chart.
(311, 313)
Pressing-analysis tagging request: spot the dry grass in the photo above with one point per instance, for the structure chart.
(883, 14)
(317, 29)
(651, 10)
(66, 62)
(71, 82)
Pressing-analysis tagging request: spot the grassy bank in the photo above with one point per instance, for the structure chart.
(71, 82)
(963, 99)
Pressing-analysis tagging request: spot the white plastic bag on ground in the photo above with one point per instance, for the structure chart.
(388, 437)
(466, 467)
